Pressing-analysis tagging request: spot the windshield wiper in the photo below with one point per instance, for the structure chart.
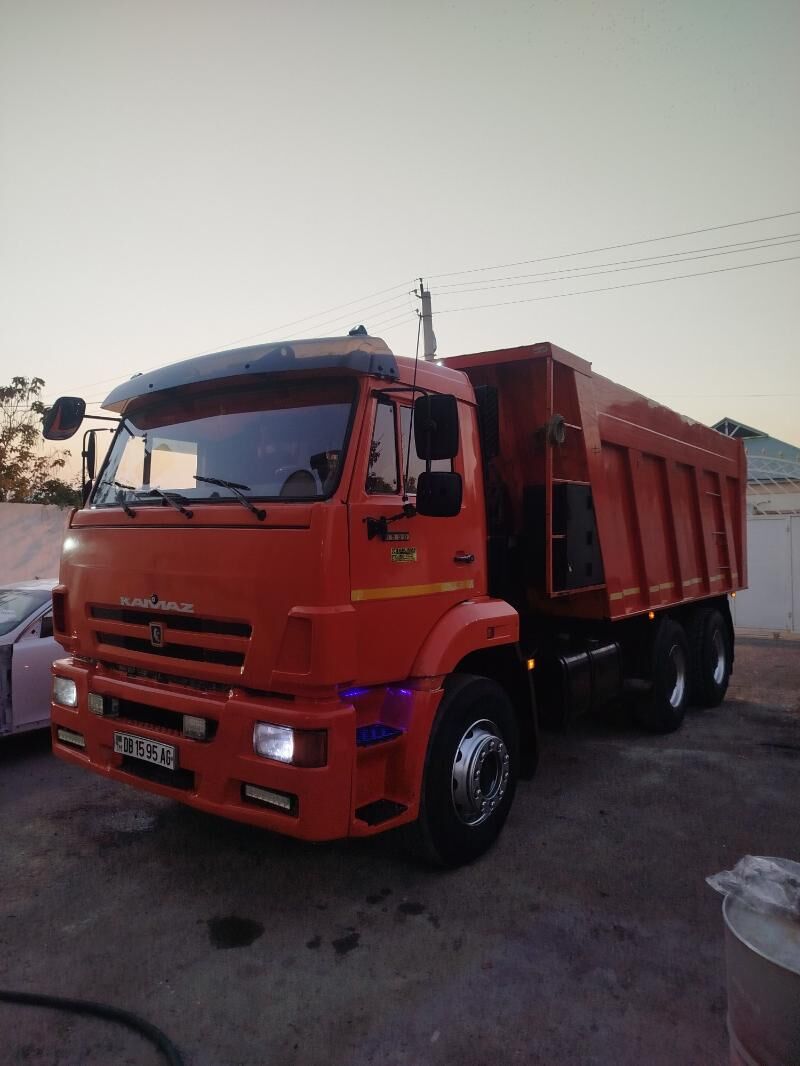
(126, 507)
(172, 498)
(236, 490)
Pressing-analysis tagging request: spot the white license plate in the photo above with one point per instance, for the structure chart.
(147, 750)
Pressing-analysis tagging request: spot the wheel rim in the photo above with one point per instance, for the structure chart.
(718, 657)
(677, 661)
(480, 773)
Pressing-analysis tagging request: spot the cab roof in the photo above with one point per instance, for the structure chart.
(366, 355)
(360, 353)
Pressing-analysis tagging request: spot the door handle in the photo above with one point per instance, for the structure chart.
(463, 557)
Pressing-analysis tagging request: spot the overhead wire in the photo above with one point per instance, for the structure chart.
(620, 269)
(613, 288)
(668, 257)
(273, 329)
(614, 247)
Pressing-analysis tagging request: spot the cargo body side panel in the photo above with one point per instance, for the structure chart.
(608, 504)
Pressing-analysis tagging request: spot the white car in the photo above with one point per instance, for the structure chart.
(27, 649)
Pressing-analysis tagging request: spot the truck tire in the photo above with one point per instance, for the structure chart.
(471, 772)
(665, 706)
(710, 657)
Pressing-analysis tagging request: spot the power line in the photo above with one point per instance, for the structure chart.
(340, 323)
(761, 242)
(273, 329)
(306, 318)
(622, 269)
(725, 395)
(613, 288)
(614, 247)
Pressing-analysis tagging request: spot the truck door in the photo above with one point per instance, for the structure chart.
(402, 582)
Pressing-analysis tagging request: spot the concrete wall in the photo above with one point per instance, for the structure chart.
(30, 540)
(772, 602)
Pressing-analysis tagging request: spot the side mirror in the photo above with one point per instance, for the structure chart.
(90, 454)
(439, 494)
(63, 419)
(436, 427)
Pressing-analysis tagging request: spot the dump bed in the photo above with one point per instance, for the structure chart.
(602, 503)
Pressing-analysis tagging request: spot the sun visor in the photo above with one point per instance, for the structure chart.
(364, 355)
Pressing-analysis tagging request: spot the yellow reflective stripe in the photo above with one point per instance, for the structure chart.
(625, 592)
(398, 591)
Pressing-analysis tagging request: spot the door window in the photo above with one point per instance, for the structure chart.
(382, 476)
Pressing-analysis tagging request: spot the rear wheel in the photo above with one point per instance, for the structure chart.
(665, 706)
(711, 657)
(470, 772)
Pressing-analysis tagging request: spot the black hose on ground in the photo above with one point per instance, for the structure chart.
(99, 1010)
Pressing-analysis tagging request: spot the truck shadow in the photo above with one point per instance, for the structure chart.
(20, 746)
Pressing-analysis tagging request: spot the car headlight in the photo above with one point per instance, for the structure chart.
(299, 747)
(65, 692)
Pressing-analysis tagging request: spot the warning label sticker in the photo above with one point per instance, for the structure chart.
(404, 555)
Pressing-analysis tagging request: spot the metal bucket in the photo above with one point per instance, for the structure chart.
(763, 963)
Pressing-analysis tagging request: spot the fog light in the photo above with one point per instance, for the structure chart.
(65, 692)
(299, 747)
(195, 728)
(68, 737)
(282, 801)
(96, 703)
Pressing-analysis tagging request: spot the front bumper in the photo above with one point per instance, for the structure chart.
(212, 773)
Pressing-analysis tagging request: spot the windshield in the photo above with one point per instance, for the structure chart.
(278, 441)
(18, 604)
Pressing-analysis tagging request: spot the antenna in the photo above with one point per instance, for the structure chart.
(411, 422)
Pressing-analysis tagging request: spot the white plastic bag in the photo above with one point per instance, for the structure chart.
(765, 884)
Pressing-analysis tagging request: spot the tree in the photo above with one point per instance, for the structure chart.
(27, 473)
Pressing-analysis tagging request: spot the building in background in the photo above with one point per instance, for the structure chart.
(773, 469)
(771, 603)
(31, 535)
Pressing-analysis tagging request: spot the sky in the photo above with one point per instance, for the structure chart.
(182, 177)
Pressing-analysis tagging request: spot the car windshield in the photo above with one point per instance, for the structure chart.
(18, 604)
(284, 440)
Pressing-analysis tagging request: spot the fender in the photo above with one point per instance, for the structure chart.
(471, 626)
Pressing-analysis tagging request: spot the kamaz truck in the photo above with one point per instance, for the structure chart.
(330, 591)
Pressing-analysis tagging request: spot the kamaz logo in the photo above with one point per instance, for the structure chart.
(158, 605)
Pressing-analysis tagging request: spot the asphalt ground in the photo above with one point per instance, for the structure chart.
(587, 936)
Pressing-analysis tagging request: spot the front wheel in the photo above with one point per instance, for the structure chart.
(471, 771)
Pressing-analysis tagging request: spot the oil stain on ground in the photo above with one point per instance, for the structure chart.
(346, 943)
(410, 908)
(233, 932)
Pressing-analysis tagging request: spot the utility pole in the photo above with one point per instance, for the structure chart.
(429, 337)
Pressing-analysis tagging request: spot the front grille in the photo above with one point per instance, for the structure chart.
(182, 779)
(185, 622)
(173, 651)
(166, 679)
(157, 717)
(171, 635)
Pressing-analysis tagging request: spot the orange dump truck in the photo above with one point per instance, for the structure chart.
(329, 591)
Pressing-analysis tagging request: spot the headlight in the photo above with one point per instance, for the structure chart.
(65, 692)
(299, 747)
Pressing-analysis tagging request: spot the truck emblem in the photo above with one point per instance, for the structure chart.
(156, 634)
(154, 601)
